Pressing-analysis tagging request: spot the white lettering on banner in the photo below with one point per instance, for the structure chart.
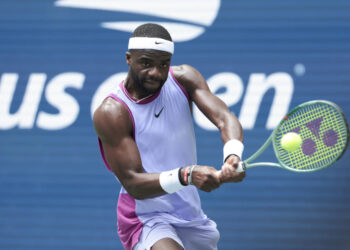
(24, 118)
(257, 87)
(185, 20)
(67, 106)
(226, 85)
(105, 89)
(25, 115)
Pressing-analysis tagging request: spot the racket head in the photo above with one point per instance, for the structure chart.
(324, 131)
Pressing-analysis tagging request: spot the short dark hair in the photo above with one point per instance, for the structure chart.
(151, 30)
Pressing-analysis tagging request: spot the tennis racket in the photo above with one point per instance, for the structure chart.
(324, 131)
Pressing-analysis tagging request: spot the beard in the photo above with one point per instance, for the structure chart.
(147, 85)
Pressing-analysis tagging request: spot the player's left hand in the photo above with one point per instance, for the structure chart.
(205, 178)
(228, 170)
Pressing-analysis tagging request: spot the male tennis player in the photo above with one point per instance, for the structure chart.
(147, 140)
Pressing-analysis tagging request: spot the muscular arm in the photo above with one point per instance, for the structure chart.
(114, 127)
(216, 111)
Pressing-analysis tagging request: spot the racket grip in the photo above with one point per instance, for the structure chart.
(241, 167)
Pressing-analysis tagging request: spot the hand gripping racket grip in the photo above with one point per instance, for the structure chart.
(241, 168)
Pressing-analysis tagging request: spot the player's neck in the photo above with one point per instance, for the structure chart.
(134, 90)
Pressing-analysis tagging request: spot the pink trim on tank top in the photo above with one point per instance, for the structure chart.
(136, 101)
(179, 84)
(129, 225)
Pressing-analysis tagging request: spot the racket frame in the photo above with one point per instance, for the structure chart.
(246, 163)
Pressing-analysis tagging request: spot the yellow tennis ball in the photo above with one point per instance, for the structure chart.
(291, 141)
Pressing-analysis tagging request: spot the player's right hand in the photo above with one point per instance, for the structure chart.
(205, 178)
(228, 171)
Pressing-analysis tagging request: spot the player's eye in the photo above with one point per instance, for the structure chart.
(145, 64)
(165, 65)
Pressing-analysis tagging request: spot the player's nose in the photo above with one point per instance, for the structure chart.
(155, 73)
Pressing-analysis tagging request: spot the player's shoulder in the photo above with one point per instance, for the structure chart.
(183, 71)
(186, 74)
(111, 118)
(189, 77)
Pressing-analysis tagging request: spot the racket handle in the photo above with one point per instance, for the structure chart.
(241, 167)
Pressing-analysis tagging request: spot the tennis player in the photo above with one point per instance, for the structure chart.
(147, 140)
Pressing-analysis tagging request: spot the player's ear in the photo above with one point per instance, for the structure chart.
(128, 57)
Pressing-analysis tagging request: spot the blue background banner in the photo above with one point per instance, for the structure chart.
(59, 58)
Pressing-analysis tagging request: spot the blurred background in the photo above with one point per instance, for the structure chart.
(58, 59)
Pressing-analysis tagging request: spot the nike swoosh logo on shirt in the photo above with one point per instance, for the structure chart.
(157, 115)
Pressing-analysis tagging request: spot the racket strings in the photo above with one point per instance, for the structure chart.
(324, 136)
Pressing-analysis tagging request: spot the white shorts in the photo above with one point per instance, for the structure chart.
(200, 237)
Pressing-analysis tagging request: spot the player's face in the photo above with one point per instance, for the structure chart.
(148, 69)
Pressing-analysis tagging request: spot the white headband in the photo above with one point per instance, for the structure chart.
(151, 43)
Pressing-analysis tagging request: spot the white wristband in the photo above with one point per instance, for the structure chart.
(233, 147)
(169, 181)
